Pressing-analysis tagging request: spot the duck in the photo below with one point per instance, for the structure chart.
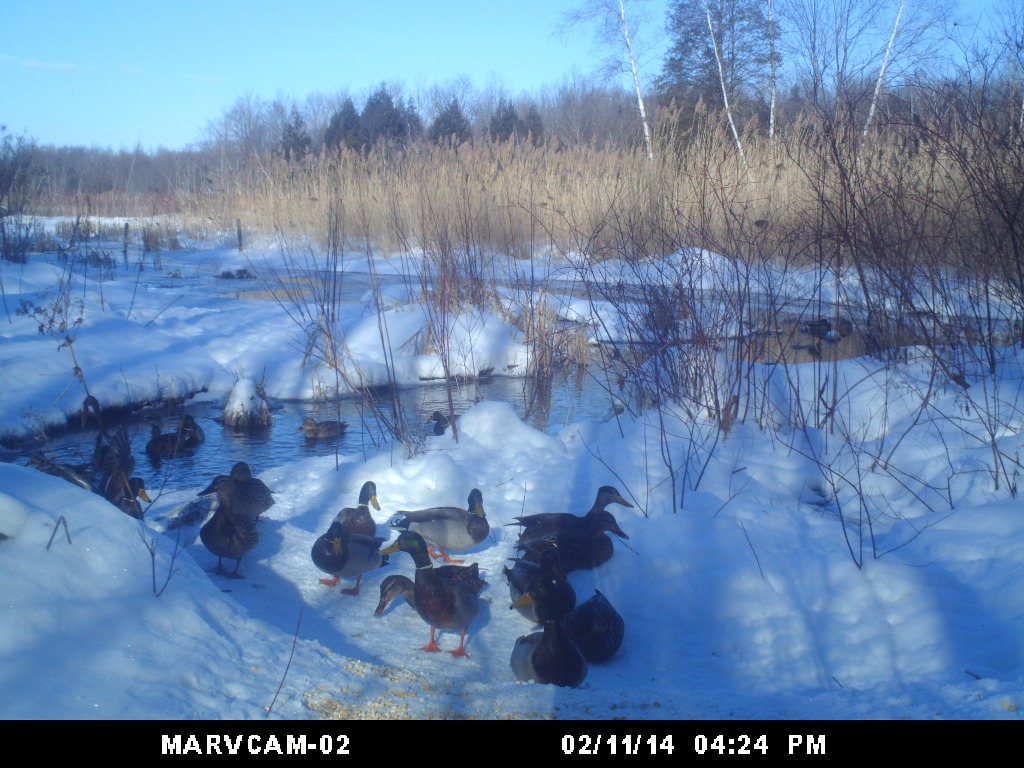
(398, 584)
(318, 430)
(112, 458)
(549, 656)
(64, 471)
(130, 501)
(346, 554)
(359, 519)
(596, 520)
(596, 627)
(524, 573)
(449, 529)
(575, 550)
(442, 600)
(118, 484)
(252, 496)
(164, 443)
(192, 434)
(227, 533)
(441, 422)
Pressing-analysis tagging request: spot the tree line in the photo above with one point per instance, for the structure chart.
(757, 66)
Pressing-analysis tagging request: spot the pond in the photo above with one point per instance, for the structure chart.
(574, 396)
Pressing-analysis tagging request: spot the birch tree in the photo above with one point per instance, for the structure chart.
(617, 23)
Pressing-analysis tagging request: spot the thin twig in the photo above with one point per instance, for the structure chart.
(751, 544)
(295, 639)
(60, 521)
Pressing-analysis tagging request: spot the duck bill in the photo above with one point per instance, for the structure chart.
(390, 550)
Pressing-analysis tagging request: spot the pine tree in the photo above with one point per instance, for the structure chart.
(451, 125)
(506, 124)
(295, 141)
(741, 35)
(343, 128)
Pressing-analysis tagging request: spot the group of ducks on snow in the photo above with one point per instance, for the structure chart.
(550, 546)
(446, 596)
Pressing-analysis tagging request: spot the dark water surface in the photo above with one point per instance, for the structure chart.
(573, 397)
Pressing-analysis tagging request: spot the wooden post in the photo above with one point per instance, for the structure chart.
(124, 251)
(238, 226)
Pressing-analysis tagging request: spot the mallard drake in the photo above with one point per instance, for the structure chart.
(319, 430)
(442, 600)
(525, 573)
(191, 433)
(396, 584)
(596, 520)
(346, 554)
(441, 422)
(447, 528)
(118, 483)
(129, 502)
(252, 496)
(165, 443)
(226, 533)
(596, 627)
(113, 459)
(549, 656)
(359, 519)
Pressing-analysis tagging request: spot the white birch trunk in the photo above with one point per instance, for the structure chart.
(624, 29)
(725, 95)
(881, 73)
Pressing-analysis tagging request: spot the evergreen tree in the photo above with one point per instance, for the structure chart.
(451, 125)
(295, 141)
(534, 126)
(506, 124)
(741, 35)
(344, 128)
(383, 121)
(413, 122)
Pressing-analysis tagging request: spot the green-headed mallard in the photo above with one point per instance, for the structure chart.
(346, 555)
(226, 533)
(252, 496)
(359, 519)
(118, 483)
(397, 584)
(450, 529)
(525, 573)
(596, 627)
(165, 443)
(192, 434)
(322, 430)
(129, 501)
(596, 520)
(442, 601)
(549, 656)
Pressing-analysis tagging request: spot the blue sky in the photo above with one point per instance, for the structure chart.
(115, 74)
(118, 75)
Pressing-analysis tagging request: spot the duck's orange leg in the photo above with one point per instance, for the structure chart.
(354, 590)
(432, 645)
(444, 556)
(330, 582)
(461, 650)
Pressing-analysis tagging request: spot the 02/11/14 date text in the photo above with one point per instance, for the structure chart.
(616, 745)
